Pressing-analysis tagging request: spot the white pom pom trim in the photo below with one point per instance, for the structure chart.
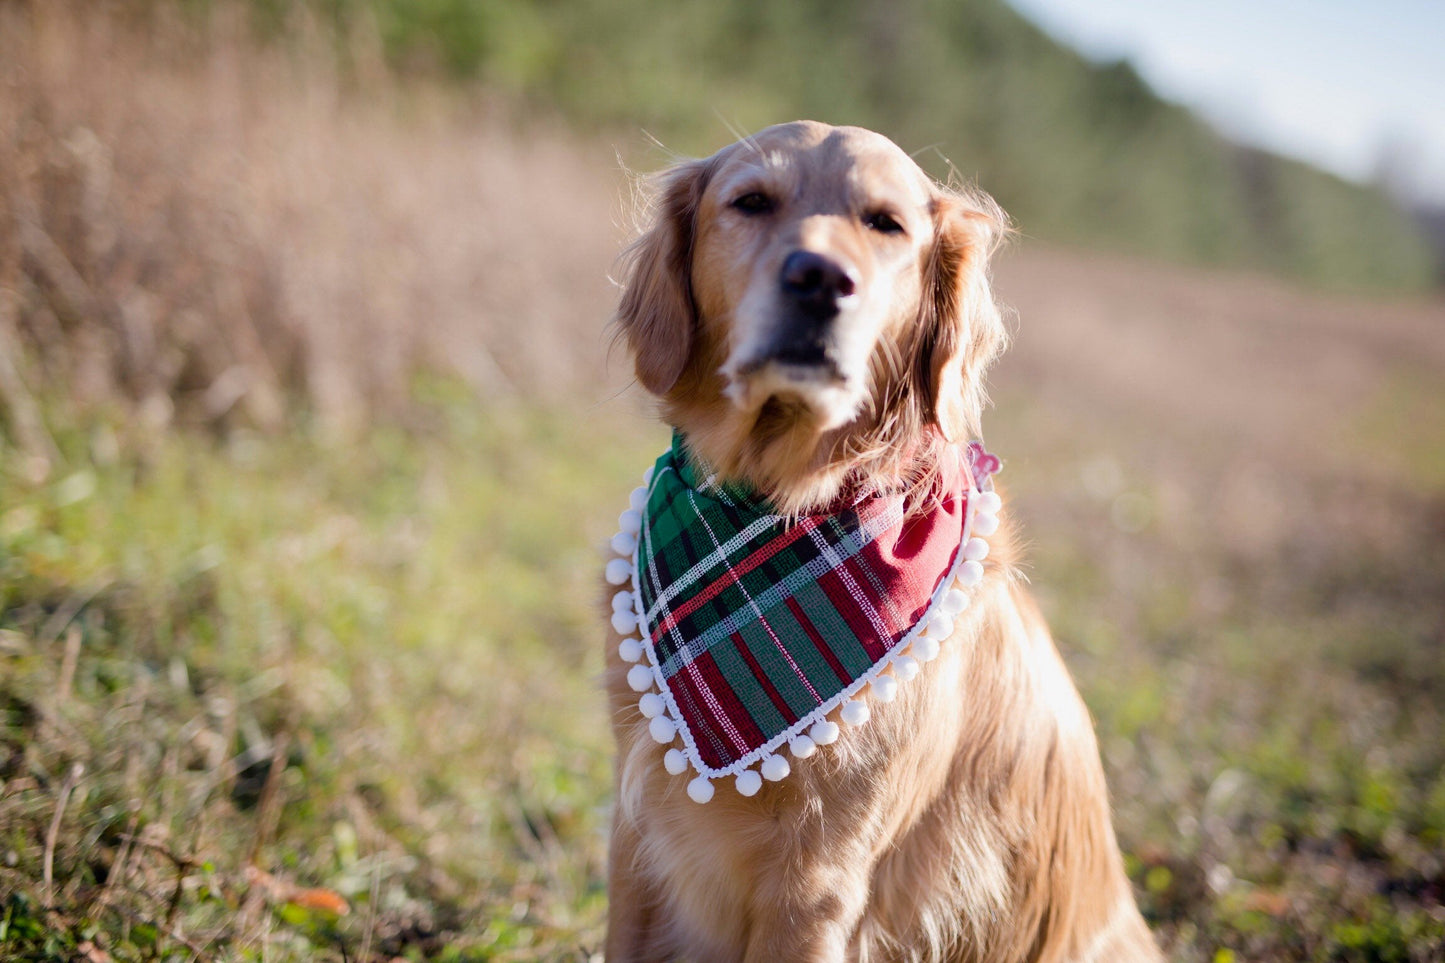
(700, 789)
(925, 648)
(954, 602)
(619, 570)
(637, 501)
(639, 677)
(775, 768)
(941, 627)
(855, 713)
(824, 733)
(748, 783)
(662, 729)
(884, 689)
(802, 746)
(923, 643)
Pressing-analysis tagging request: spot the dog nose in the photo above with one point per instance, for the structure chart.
(815, 283)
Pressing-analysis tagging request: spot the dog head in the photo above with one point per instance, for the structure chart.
(809, 305)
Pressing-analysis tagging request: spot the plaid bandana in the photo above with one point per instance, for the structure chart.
(755, 627)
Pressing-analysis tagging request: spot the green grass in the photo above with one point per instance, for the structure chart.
(400, 635)
(367, 671)
(1270, 718)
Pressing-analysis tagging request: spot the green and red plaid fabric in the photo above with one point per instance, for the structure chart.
(753, 622)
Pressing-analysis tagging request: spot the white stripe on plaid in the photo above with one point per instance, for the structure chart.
(691, 649)
(761, 617)
(884, 522)
(851, 585)
(667, 691)
(662, 596)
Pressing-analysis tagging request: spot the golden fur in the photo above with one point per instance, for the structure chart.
(968, 820)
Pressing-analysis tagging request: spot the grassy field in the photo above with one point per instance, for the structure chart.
(366, 668)
(250, 681)
(1237, 508)
(310, 445)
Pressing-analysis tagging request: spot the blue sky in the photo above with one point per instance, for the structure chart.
(1339, 83)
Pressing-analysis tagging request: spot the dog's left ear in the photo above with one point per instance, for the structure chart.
(962, 329)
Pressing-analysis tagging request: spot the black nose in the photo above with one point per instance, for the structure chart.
(815, 283)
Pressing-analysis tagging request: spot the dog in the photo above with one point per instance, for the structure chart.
(814, 315)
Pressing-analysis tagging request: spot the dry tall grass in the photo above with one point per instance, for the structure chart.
(201, 227)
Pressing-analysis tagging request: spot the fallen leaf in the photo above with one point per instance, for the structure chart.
(328, 901)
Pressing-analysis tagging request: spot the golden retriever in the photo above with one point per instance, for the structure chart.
(969, 820)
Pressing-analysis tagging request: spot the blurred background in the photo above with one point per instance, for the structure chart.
(310, 437)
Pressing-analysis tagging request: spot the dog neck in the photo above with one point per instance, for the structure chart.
(778, 452)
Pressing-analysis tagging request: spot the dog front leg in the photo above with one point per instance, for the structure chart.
(632, 908)
(809, 930)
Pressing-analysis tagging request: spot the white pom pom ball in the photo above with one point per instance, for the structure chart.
(624, 622)
(953, 602)
(619, 570)
(749, 782)
(989, 502)
(638, 499)
(940, 627)
(905, 668)
(775, 768)
(622, 601)
(824, 732)
(975, 550)
(674, 762)
(884, 689)
(662, 729)
(640, 678)
(624, 543)
(647, 475)
(630, 650)
(651, 705)
(802, 746)
(855, 713)
(985, 524)
(925, 648)
(630, 521)
(970, 573)
(699, 790)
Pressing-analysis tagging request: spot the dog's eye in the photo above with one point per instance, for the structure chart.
(753, 202)
(883, 223)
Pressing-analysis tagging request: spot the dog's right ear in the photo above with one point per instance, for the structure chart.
(657, 315)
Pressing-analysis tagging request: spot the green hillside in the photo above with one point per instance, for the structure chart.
(1076, 151)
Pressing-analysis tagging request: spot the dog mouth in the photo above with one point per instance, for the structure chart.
(803, 364)
(803, 380)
